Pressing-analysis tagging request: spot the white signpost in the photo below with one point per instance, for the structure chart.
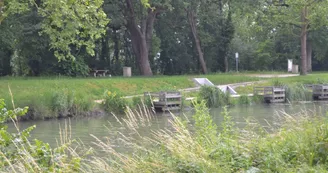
(237, 56)
(290, 65)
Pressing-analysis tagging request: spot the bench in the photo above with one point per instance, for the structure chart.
(101, 73)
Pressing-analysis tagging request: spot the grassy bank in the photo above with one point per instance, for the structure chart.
(314, 78)
(48, 96)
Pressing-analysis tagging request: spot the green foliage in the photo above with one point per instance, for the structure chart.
(258, 98)
(73, 23)
(139, 101)
(73, 68)
(62, 101)
(18, 153)
(244, 100)
(19, 65)
(277, 83)
(298, 92)
(114, 102)
(299, 143)
(206, 130)
(67, 23)
(38, 93)
(213, 96)
(65, 103)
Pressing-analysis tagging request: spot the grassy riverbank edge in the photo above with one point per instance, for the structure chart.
(68, 97)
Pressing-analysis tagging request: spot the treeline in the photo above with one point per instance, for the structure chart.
(161, 37)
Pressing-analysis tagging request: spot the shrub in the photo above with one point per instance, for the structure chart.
(82, 104)
(114, 102)
(258, 98)
(244, 100)
(62, 101)
(213, 96)
(65, 103)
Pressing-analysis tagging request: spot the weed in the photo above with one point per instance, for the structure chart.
(114, 102)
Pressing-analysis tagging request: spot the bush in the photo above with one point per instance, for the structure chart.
(114, 102)
(258, 98)
(73, 68)
(244, 100)
(213, 96)
(65, 103)
(62, 101)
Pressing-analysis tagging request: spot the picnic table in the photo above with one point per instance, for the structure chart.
(101, 73)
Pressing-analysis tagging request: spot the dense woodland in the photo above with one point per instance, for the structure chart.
(169, 37)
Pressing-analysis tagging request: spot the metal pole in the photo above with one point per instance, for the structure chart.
(237, 56)
(237, 64)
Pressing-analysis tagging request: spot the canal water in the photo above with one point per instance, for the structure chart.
(108, 126)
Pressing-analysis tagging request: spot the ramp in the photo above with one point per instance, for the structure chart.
(206, 82)
(203, 82)
(227, 88)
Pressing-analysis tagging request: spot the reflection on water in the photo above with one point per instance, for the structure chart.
(107, 126)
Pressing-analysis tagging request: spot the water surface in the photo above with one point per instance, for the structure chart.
(107, 126)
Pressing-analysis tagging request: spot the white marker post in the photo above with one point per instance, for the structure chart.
(237, 56)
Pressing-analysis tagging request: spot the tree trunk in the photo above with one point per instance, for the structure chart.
(139, 46)
(303, 42)
(309, 56)
(226, 64)
(116, 47)
(105, 49)
(192, 22)
(139, 37)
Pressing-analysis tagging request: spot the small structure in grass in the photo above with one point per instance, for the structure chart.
(100, 73)
(164, 100)
(271, 94)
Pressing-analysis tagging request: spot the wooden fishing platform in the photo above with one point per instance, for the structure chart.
(165, 101)
(320, 91)
(271, 94)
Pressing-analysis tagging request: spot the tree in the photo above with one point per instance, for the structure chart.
(191, 9)
(307, 15)
(140, 23)
(70, 24)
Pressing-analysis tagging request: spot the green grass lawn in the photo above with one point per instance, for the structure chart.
(39, 91)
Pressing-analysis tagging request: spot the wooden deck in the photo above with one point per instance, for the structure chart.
(320, 91)
(165, 101)
(271, 94)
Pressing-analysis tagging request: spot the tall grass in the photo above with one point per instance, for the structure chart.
(298, 92)
(298, 144)
(19, 154)
(213, 96)
(294, 91)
